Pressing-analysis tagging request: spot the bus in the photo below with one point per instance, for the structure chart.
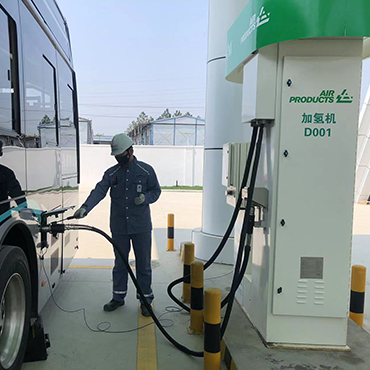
(39, 169)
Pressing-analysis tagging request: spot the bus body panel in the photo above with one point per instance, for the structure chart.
(38, 131)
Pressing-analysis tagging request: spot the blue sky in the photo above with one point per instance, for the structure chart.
(141, 55)
(137, 55)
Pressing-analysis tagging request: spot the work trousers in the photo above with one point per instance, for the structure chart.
(142, 244)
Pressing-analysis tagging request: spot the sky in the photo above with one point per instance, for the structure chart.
(137, 55)
(141, 55)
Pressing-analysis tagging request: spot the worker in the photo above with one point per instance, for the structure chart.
(9, 187)
(133, 186)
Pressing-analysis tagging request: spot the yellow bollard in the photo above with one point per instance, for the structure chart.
(212, 329)
(358, 286)
(196, 304)
(170, 232)
(188, 259)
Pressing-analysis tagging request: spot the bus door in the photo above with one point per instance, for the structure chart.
(69, 145)
(41, 135)
(12, 153)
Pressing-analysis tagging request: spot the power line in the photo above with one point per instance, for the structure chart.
(106, 116)
(140, 106)
(135, 81)
(149, 91)
(86, 115)
(166, 104)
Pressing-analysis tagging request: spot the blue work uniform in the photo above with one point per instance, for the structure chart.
(129, 222)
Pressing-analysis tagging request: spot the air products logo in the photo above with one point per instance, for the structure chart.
(344, 97)
(255, 22)
(263, 17)
(326, 97)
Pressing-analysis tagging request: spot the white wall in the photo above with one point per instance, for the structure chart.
(362, 185)
(171, 163)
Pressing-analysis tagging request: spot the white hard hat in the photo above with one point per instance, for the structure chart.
(120, 143)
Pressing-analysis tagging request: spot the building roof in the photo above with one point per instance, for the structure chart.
(84, 119)
(177, 118)
(102, 138)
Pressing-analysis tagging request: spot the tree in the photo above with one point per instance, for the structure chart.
(140, 120)
(177, 114)
(188, 114)
(143, 118)
(46, 120)
(165, 114)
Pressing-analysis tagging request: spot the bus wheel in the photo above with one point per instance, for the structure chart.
(15, 307)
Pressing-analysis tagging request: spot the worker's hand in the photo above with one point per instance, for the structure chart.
(140, 199)
(80, 213)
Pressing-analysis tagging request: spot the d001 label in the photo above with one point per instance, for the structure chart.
(317, 132)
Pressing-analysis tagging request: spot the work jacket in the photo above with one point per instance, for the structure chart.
(9, 187)
(125, 184)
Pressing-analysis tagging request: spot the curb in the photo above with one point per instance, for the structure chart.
(226, 357)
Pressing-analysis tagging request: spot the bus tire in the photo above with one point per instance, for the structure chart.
(15, 307)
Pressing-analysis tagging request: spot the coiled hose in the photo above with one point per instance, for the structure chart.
(243, 252)
(225, 238)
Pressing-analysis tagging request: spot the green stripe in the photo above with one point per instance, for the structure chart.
(267, 22)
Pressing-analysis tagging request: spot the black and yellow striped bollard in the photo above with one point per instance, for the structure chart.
(196, 304)
(170, 232)
(188, 259)
(212, 329)
(358, 286)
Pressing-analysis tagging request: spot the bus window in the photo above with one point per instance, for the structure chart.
(9, 84)
(40, 86)
(40, 104)
(67, 124)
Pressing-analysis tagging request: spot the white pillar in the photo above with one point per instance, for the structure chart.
(223, 124)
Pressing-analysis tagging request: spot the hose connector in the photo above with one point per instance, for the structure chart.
(53, 229)
(250, 221)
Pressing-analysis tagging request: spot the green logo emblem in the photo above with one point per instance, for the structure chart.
(255, 22)
(344, 97)
(263, 17)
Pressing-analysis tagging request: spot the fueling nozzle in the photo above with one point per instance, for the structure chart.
(53, 229)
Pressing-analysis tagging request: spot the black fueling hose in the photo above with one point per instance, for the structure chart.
(60, 228)
(243, 252)
(229, 229)
(248, 224)
(247, 231)
(239, 200)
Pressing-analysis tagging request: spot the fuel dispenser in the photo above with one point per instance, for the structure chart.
(300, 66)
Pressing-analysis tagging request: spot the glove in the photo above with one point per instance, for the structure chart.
(80, 213)
(140, 199)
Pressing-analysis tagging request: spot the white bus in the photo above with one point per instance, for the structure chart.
(39, 168)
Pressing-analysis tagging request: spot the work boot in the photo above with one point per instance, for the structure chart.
(113, 305)
(144, 310)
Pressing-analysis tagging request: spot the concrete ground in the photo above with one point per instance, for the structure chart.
(88, 284)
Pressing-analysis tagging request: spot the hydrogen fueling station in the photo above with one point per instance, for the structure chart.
(302, 86)
(281, 143)
(296, 68)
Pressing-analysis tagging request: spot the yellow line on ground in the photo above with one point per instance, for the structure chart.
(146, 345)
(90, 267)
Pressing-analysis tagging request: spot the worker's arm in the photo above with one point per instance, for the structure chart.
(153, 189)
(14, 188)
(98, 193)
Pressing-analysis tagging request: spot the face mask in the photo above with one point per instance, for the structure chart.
(123, 160)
